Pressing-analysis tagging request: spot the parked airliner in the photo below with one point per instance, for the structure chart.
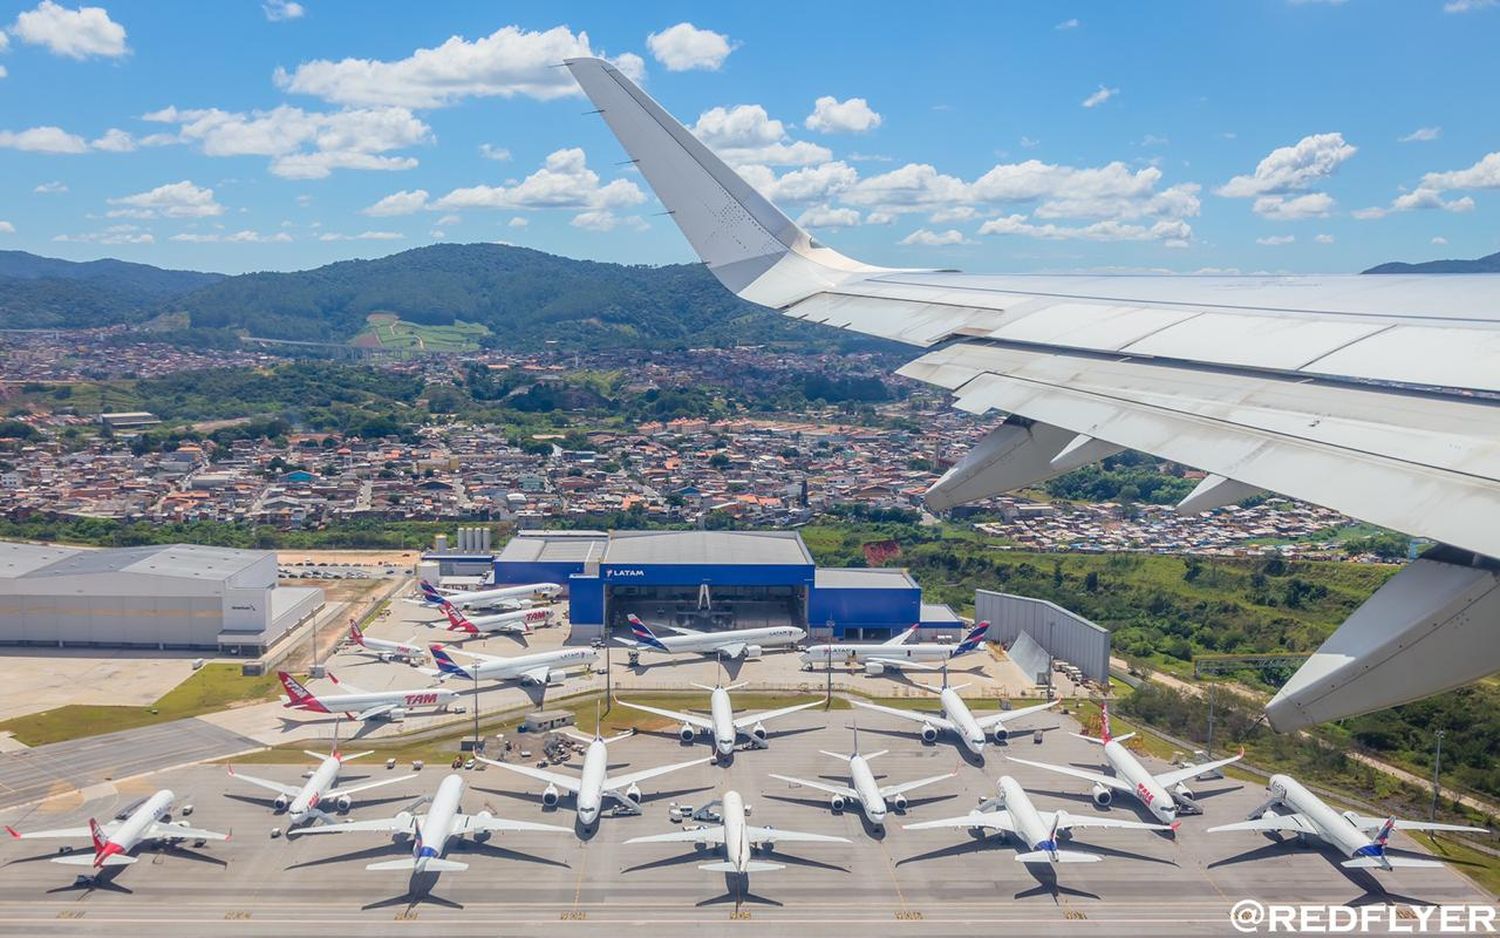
(956, 718)
(734, 643)
(739, 839)
(874, 799)
(114, 841)
(722, 726)
(894, 654)
(363, 705)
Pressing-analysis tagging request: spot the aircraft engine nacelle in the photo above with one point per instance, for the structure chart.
(281, 803)
(554, 678)
(836, 802)
(1000, 734)
(633, 795)
(550, 796)
(1102, 795)
(753, 651)
(929, 733)
(874, 668)
(1182, 792)
(687, 732)
(396, 715)
(759, 732)
(404, 820)
(483, 835)
(344, 804)
(899, 803)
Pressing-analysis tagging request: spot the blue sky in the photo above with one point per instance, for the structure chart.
(1273, 135)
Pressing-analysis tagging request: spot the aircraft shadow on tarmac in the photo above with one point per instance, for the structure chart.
(994, 841)
(944, 739)
(737, 890)
(589, 832)
(707, 856)
(418, 891)
(1373, 891)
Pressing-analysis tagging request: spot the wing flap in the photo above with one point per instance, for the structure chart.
(691, 719)
(1000, 820)
(566, 782)
(625, 781)
(919, 716)
(1270, 821)
(842, 790)
(1108, 781)
(754, 718)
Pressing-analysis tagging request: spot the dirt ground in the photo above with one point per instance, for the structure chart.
(399, 558)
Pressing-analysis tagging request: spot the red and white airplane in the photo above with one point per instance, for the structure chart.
(519, 622)
(363, 705)
(511, 596)
(115, 840)
(383, 649)
(306, 802)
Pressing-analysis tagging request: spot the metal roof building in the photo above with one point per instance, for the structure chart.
(176, 596)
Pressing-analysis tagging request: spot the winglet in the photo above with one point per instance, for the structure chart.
(13, 832)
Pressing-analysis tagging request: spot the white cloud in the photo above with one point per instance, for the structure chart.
(1293, 208)
(3, 72)
(685, 46)
(4, 41)
(1068, 24)
(278, 11)
(606, 220)
(1439, 240)
(363, 236)
(42, 140)
(825, 216)
(510, 61)
(7, 228)
(1419, 199)
(1273, 240)
(1293, 168)
(945, 216)
(880, 218)
(1422, 135)
(1027, 143)
(935, 238)
(447, 220)
(830, 115)
(1484, 174)
(398, 203)
(808, 184)
(746, 135)
(491, 152)
(1323, 238)
(75, 34)
(520, 221)
(114, 234)
(1467, 6)
(239, 237)
(1172, 232)
(1152, 140)
(564, 181)
(173, 200)
(47, 188)
(114, 140)
(1100, 96)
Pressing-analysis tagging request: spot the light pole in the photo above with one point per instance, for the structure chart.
(1437, 766)
(1208, 750)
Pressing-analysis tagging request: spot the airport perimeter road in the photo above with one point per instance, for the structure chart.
(935, 882)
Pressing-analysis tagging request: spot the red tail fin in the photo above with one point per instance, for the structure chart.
(1104, 721)
(355, 634)
(297, 695)
(96, 833)
(457, 621)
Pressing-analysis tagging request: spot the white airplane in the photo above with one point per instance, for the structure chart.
(115, 840)
(739, 839)
(516, 622)
(721, 723)
(956, 718)
(1349, 833)
(383, 649)
(443, 820)
(539, 669)
(894, 654)
(1040, 832)
(594, 784)
(863, 789)
(513, 596)
(1371, 395)
(1163, 795)
(364, 705)
(304, 802)
(735, 643)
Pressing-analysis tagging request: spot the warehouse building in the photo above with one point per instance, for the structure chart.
(179, 596)
(717, 580)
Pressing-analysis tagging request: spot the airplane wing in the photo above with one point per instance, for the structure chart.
(379, 710)
(919, 716)
(999, 820)
(477, 823)
(164, 830)
(754, 718)
(1005, 716)
(684, 630)
(691, 719)
(732, 649)
(265, 783)
(1168, 779)
(1068, 821)
(761, 835)
(1371, 395)
(382, 825)
(565, 782)
(891, 791)
(481, 656)
(1365, 823)
(1108, 781)
(537, 675)
(900, 639)
(1271, 821)
(708, 835)
(366, 786)
(59, 833)
(901, 664)
(844, 790)
(617, 782)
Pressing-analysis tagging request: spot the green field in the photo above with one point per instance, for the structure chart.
(389, 331)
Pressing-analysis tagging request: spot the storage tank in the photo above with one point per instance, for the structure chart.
(428, 570)
(440, 543)
(484, 539)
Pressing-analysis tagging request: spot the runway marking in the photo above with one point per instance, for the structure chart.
(583, 866)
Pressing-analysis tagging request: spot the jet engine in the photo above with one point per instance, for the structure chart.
(396, 715)
(929, 733)
(282, 803)
(556, 677)
(344, 804)
(404, 823)
(758, 731)
(1000, 734)
(1182, 792)
(899, 803)
(550, 796)
(687, 732)
(836, 803)
(753, 651)
(633, 795)
(483, 835)
(874, 669)
(1102, 795)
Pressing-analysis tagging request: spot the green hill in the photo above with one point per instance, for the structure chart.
(46, 292)
(1489, 264)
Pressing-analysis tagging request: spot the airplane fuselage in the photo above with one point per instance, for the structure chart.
(477, 598)
(1333, 827)
(132, 830)
(920, 653)
(862, 780)
(737, 846)
(436, 826)
(1147, 790)
(721, 712)
(353, 703)
(957, 712)
(1028, 823)
(710, 643)
(394, 649)
(510, 669)
(317, 786)
(591, 782)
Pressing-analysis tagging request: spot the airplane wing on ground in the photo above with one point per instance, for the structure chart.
(919, 716)
(1366, 823)
(165, 830)
(683, 630)
(380, 825)
(379, 710)
(754, 718)
(762, 835)
(1066, 821)
(901, 664)
(59, 833)
(1374, 396)
(832, 789)
(1005, 716)
(891, 791)
(1108, 781)
(1000, 820)
(707, 835)
(901, 638)
(478, 823)
(1271, 821)
(1168, 779)
(537, 675)
(366, 786)
(288, 790)
(565, 782)
(617, 782)
(481, 656)
(732, 649)
(691, 719)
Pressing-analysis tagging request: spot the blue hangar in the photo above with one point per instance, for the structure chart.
(717, 580)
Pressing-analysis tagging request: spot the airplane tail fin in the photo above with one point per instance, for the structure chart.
(355, 635)
(297, 695)
(96, 834)
(752, 866)
(1385, 831)
(444, 661)
(973, 640)
(1104, 733)
(457, 621)
(430, 593)
(643, 633)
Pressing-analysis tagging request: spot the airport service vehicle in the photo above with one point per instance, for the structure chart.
(1373, 396)
(956, 718)
(721, 724)
(513, 596)
(306, 802)
(1165, 795)
(1040, 833)
(874, 799)
(383, 649)
(539, 669)
(1308, 816)
(738, 838)
(894, 654)
(431, 831)
(594, 784)
(734, 643)
(515, 622)
(360, 704)
(114, 841)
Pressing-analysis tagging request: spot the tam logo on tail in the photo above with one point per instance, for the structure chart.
(297, 695)
(972, 640)
(355, 635)
(643, 633)
(457, 621)
(1104, 733)
(96, 833)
